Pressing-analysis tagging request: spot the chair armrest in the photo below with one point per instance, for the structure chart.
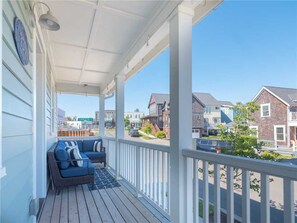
(103, 149)
(70, 160)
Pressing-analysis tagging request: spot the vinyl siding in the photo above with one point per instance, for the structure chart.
(17, 141)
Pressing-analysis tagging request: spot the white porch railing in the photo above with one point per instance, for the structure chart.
(264, 168)
(145, 167)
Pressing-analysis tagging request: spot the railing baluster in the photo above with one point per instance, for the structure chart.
(265, 198)
(158, 178)
(205, 193)
(163, 180)
(217, 194)
(230, 194)
(195, 191)
(246, 210)
(148, 171)
(168, 184)
(289, 213)
(153, 175)
(137, 159)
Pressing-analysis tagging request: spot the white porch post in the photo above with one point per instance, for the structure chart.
(180, 39)
(101, 115)
(120, 125)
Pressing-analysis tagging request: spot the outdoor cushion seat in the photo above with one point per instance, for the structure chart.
(72, 171)
(62, 156)
(95, 155)
(88, 145)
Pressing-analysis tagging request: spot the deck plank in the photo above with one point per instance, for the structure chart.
(111, 207)
(56, 209)
(82, 207)
(93, 211)
(146, 213)
(128, 217)
(64, 206)
(135, 212)
(72, 205)
(48, 207)
(103, 211)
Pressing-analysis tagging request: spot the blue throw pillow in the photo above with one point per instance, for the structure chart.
(62, 156)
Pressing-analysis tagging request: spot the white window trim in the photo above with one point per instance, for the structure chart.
(262, 105)
(275, 134)
(255, 127)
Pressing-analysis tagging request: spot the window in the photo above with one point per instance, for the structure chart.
(207, 109)
(279, 133)
(255, 131)
(265, 110)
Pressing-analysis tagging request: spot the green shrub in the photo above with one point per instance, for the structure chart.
(148, 128)
(269, 155)
(161, 135)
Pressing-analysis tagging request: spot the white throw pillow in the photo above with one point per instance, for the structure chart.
(74, 153)
(97, 146)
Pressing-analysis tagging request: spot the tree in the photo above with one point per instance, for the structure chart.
(136, 110)
(241, 138)
(69, 118)
(127, 122)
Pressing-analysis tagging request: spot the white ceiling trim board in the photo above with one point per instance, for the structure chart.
(92, 50)
(101, 6)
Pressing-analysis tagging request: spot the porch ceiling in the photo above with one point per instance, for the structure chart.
(100, 39)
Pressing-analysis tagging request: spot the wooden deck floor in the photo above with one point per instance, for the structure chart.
(79, 204)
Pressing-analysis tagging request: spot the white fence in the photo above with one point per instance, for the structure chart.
(145, 167)
(247, 166)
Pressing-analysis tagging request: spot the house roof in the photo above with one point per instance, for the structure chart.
(165, 98)
(207, 99)
(159, 98)
(286, 95)
(229, 103)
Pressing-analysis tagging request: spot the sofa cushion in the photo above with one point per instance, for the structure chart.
(72, 171)
(89, 144)
(95, 155)
(74, 154)
(62, 156)
(70, 143)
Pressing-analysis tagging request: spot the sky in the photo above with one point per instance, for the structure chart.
(237, 48)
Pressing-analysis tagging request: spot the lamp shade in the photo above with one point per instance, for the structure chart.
(48, 21)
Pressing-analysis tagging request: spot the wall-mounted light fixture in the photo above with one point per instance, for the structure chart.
(46, 21)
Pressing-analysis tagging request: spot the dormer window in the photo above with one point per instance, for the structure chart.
(265, 110)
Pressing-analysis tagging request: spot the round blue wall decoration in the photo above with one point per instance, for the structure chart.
(21, 42)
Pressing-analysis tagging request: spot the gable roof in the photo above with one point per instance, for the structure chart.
(159, 98)
(287, 95)
(229, 103)
(207, 99)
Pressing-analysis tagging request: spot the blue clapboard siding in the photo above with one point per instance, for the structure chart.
(17, 142)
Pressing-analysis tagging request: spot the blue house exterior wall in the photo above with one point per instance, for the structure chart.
(17, 117)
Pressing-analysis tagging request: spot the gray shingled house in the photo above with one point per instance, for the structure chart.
(277, 118)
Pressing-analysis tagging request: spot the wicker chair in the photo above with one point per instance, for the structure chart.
(57, 180)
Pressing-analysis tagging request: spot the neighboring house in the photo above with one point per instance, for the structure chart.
(110, 117)
(215, 112)
(135, 118)
(61, 117)
(277, 118)
(155, 107)
(197, 117)
(227, 112)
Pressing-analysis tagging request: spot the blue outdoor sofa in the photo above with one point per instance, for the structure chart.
(64, 174)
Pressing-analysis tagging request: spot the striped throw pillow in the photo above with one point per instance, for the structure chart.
(97, 146)
(73, 152)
